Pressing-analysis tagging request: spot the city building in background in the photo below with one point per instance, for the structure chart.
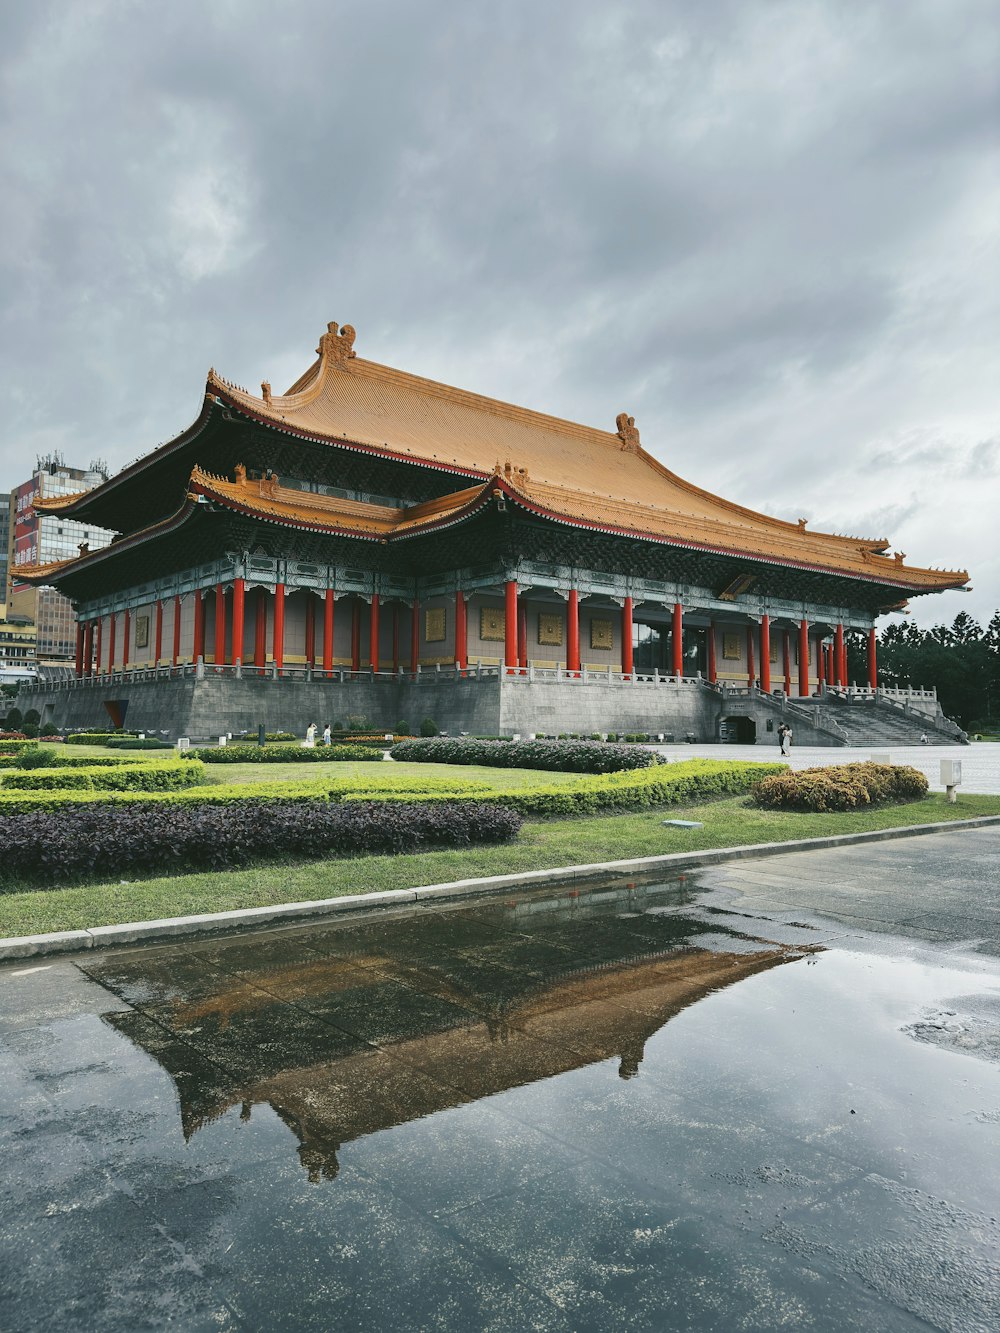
(4, 544)
(32, 538)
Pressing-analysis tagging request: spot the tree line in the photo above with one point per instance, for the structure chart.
(961, 661)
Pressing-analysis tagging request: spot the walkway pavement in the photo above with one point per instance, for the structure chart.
(980, 762)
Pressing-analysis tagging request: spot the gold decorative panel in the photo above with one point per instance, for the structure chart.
(602, 634)
(731, 647)
(492, 624)
(550, 628)
(142, 631)
(434, 625)
(774, 649)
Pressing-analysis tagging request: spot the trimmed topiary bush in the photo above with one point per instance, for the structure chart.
(123, 777)
(561, 756)
(36, 756)
(49, 847)
(428, 727)
(840, 787)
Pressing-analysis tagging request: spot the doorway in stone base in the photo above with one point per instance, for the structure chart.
(738, 731)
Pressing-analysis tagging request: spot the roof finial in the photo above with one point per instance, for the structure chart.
(265, 388)
(628, 433)
(337, 346)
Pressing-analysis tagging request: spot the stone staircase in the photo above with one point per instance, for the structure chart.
(877, 725)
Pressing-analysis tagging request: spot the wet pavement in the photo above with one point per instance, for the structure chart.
(761, 1096)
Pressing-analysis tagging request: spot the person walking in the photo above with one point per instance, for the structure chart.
(326, 734)
(311, 736)
(786, 742)
(782, 729)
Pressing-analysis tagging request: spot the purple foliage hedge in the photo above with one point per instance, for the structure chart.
(50, 847)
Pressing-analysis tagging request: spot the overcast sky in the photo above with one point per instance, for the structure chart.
(768, 229)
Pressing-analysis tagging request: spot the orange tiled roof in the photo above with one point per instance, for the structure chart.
(739, 533)
(602, 478)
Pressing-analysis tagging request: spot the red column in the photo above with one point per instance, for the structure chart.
(79, 650)
(713, 671)
(239, 603)
(100, 642)
(198, 648)
(510, 626)
(260, 629)
(310, 629)
(88, 648)
(415, 635)
(278, 640)
(126, 631)
(522, 638)
(573, 632)
(872, 660)
(804, 658)
(820, 662)
(356, 635)
(765, 654)
(158, 637)
(461, 636)
(843, 657)
(177, 629)
(751, 675)
(677, 639)
(328, 631)
(839, 674)
(373, 628)
(112, 634)
(220, 624)
(627, 637)
(786, 660)
(395, 637)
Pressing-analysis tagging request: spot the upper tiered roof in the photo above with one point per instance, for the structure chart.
(559, 470)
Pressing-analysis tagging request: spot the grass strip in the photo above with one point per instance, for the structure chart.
(542, 844)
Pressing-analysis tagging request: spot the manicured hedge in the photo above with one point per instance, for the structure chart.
(131, 777)
(98, 737)
(841, 787)
(48, 848)
(133, 743)
(562, 756)
(282, 754)
(15, 746)
(65, 760)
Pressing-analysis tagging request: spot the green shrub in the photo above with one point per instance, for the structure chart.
(37, 757)
(30, 729)
(33, 716)
(14, 719)
(401, 728)
(15, 746)
(138, 778)
(282, 754)
(280, 736)
(428, 727)
(50, 729)
(840, 787)
(134, 743)
(560, 755)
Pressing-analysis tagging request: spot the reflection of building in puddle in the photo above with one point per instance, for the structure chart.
(443, 1043)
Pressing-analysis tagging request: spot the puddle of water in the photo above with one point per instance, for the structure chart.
(618, 1108)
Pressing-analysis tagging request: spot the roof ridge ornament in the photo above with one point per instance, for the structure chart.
(628, 432)
(337, 345)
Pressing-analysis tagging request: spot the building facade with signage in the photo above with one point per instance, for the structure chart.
(373, 543)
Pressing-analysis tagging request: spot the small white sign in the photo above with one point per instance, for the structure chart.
(223, 740)
(951, 772)
(183, 743)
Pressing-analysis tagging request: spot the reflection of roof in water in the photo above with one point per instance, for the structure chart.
(452, 1044)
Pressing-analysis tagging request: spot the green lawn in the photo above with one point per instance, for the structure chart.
(564, 842)
(503, 779)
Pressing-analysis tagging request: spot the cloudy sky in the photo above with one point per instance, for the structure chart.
(768, 229)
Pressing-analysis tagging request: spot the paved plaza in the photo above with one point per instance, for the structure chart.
(980, 761)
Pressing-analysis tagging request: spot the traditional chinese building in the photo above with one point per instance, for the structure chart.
(373, 543)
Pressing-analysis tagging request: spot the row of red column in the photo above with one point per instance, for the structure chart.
(831, 658)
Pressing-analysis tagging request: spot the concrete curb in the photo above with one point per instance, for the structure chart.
(73, 941)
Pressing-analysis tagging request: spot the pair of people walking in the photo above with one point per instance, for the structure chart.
(311, 731)
(785, 738)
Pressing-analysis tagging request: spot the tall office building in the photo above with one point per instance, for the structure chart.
(4, 543)
(42, 539)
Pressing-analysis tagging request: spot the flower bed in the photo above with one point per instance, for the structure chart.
(840, 787)
(561, 756)
(46, 848)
